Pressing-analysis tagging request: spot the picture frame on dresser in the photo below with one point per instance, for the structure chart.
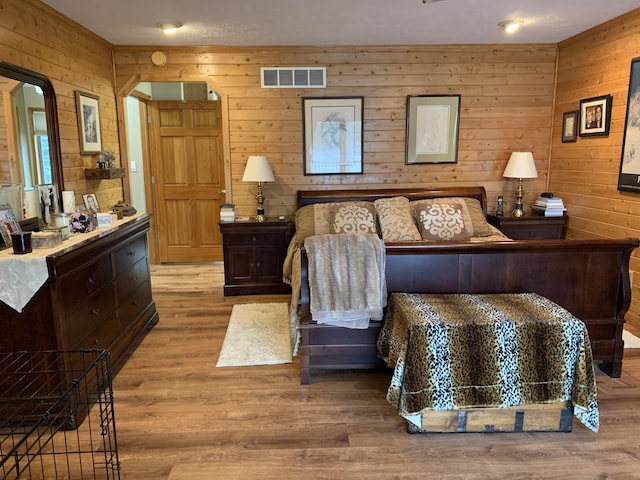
(629, 176)
(595, 116)
(49, 205)
(91, 202)
(8, 224)
(89, 129)
(433, 122)
(332, 135)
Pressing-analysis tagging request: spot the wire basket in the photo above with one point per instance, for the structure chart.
(48, 426)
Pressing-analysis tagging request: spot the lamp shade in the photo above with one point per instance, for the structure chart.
(258, 170)
(521, 165)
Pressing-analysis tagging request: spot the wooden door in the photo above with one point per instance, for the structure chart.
(188, 170)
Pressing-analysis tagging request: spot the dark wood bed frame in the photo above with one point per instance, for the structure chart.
(590, 278)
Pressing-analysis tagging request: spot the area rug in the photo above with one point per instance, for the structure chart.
(630, 340)
(258, 334)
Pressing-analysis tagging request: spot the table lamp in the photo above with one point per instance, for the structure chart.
(258, 170)
(520, 165)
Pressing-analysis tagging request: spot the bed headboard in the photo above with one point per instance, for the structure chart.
(307, 197)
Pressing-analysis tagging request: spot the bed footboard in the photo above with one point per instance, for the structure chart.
(590, 278)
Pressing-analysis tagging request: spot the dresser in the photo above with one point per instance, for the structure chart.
(253, 256)
(97, 295)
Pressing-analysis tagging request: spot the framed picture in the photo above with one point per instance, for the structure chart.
(88, 110)
(49, 206)
(8, 224)
(570, 126)
(629, 177)
(595, 116)
(91, 202)
(332, 135)
(432, 129)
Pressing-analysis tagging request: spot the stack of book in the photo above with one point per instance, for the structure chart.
(549, 207)
(227, 213)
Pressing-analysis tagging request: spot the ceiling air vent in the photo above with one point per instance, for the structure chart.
(296, 77)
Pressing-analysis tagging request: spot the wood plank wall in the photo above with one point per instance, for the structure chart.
(585, 173)
(36, 37)
(507, 101)
(507, 104)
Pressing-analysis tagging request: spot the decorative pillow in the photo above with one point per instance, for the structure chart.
(353, 217)
(481, 228)
(311, 220)
(396, 221)
(443, 219)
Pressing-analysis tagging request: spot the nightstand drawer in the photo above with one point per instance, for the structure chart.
(257, 239)
(532, 227)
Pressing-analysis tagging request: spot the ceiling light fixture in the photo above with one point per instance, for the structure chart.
(511, 26)
(169, 27)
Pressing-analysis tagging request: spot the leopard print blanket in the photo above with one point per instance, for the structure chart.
(458, 351)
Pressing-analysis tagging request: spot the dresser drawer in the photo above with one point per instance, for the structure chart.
(103, 336)
(88, 315)
(131, 278)
(131, 253)
(78, 286)
(136, 303)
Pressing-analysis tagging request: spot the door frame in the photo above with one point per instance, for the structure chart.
(127, 89)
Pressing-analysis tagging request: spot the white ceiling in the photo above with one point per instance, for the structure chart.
(338, 22)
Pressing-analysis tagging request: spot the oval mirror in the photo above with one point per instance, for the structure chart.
(31, 117)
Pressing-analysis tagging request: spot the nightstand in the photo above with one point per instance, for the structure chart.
(529, 227)
(253, 256)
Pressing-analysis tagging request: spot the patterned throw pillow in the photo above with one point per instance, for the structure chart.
(442, 219)
(396, 220)
(353, 217)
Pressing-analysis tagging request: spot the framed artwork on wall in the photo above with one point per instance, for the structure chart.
(570, 126)
(333, 135)
(595, 116)
(629, 177)
(432, 129)
(88, 110)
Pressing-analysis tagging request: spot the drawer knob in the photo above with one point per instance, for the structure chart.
(95, 311)
(91, 281)
(98, 342)
(253, 239)
(133, 279)
(131, 253)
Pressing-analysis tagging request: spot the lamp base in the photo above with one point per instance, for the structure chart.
(260, 200)
(518, 211)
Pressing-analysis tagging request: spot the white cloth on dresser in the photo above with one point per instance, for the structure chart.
(346, 279)
(20, 278)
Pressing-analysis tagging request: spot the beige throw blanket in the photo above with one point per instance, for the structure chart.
(346, 279)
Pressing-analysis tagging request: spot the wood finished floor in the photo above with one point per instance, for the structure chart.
(179, 417)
